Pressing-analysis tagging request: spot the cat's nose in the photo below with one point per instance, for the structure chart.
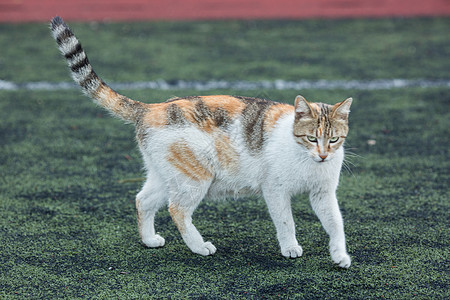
(323, 156)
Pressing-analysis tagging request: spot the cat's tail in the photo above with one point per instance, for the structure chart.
(84, 75)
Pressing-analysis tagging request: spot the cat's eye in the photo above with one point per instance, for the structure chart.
(312, 139)
(334, 139)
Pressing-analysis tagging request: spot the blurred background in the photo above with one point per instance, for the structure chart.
(132, 10)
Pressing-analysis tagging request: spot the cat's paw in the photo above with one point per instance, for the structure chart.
(154, 242)
(342, 259)
(205, 249)
(292, 251)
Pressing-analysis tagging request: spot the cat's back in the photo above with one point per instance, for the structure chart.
(211, 113)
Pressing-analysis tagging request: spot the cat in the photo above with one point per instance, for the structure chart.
(226, 146)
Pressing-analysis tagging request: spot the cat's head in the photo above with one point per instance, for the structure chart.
(321, 128)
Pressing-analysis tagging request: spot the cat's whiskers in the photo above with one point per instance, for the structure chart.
(346, 166)
(348, 163)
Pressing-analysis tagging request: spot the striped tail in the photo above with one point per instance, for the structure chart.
(84, 75)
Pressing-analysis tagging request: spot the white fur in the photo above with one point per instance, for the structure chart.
(76, 59)
(283, 168)
(68, 45)
(58, 30)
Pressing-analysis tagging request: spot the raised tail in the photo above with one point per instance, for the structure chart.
(84, 75)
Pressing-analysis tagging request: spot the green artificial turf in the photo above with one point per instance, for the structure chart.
(67, 187)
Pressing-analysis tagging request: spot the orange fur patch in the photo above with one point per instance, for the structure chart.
(120, 105)
(227, 155)
(108, 98)
(178, 216)
(274, 113)
(139, 217)
(231, 105)
(157, 116)
(183, 158)
(186, 106)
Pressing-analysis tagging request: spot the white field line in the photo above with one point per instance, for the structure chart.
(377, 84)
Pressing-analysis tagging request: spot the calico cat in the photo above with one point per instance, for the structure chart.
(222, 146)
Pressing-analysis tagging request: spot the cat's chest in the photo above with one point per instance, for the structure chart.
(280, 176)
(290, 166)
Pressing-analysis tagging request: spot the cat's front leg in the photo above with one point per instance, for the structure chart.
(325, 205)
(281, 213)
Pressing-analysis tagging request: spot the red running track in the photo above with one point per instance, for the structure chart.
(132, 10)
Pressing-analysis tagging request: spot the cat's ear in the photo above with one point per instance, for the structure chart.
(342, 109)
(303, 108)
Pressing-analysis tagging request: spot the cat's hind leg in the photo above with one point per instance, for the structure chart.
(148, 201)
(183, 200)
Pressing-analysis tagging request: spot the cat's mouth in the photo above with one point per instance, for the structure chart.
(321, 159)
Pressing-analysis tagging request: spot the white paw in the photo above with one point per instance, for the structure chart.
(205, 249)
(154, 242)
(292, 251)
(342, 259)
